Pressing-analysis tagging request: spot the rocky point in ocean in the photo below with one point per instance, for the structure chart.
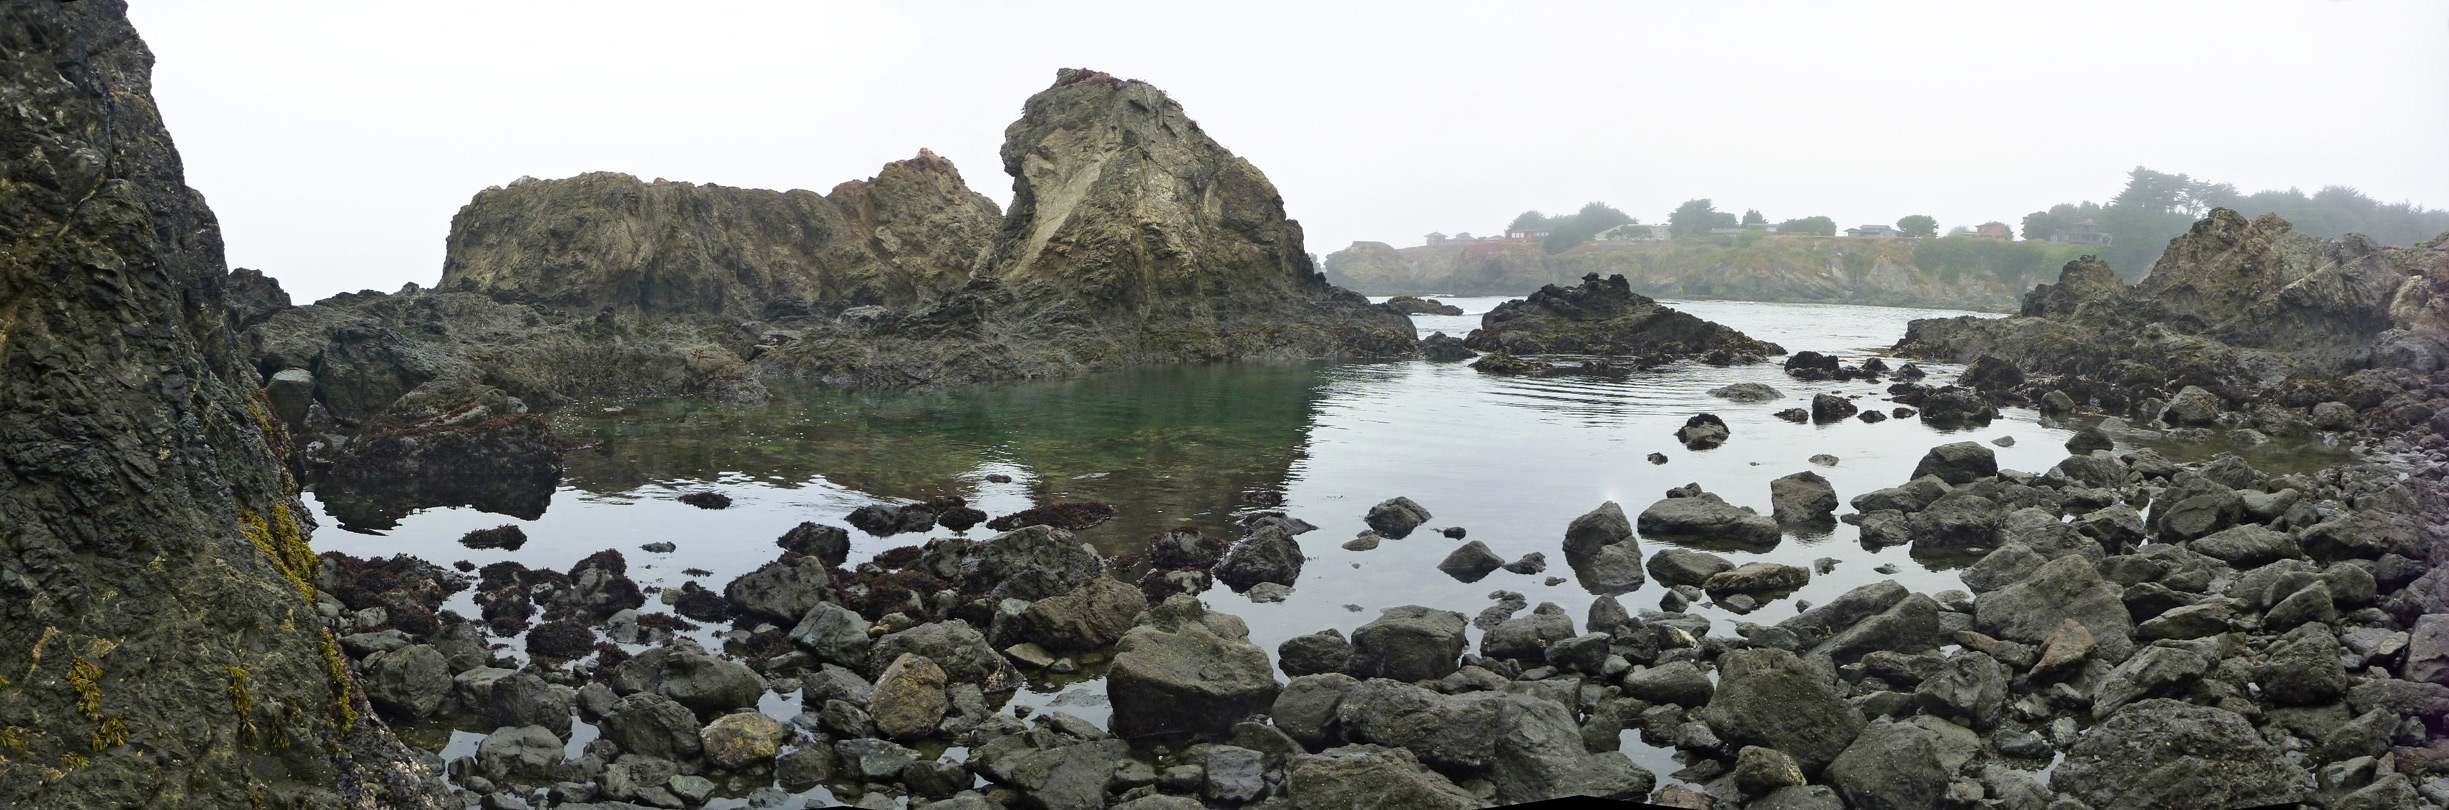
(159, 620)
(1605, 317)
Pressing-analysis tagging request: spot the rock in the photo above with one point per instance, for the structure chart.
(1891, 766)
(1396, 517)
(1185, 669)
(954, 645)
(1409, 643)
(1958, 463)
(1953, 408)
(1614, 569)
(1363, 542)
(1470, 562)
(1061, 515)
(1678, 682)
(1959, 520)
(1803, 497)
(2312, 604)
(1527, 637)
(1991, 374)
(523, 754)
(409, 682)
(1091, 617)
(2427, 651)
(1909, 625)
(1914, 496)
(1830, 408)
(1528, 747)
(1795, 415)
(1971, 686)
(526, 700)
(1585, 653)
(2163, 753)
(1234, 774)
(833, 634)
(1035, 562)
(685, 673)
(1676, 566)
(2088, 440)
(874, 759)
(2302, 668)
(742, 740)
(1606, 318)
(2188, 622)
(1444, 348)
(1529, 564)
(1761, 771)
(1415, 305)
(1317, 653)
(2152, 670)
(1707, 518)
(2067, 646)
(2064, 588)
(908, 701)
(781, 592)
(1747, 392)
(1369, 777)
(2192, 407)
(827, 543)
(2057, 403)
(1185, 547)
(1770, 698)
(1306, 708)
(1808, 797)
(2006, 565)
(1702, 432)
(652, 725)
(1268, 554)
(1757, 578)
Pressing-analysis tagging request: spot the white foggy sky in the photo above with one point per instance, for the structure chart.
(335, 140)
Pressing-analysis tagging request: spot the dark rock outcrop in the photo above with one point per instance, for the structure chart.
(1605, 317)
(159, 596)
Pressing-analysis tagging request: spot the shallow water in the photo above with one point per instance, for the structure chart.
(1512, 460)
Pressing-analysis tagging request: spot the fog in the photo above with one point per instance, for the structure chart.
(335, 140)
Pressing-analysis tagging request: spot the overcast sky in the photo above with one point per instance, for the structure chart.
(335, 140)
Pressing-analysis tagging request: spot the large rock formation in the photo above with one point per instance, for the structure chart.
(1605, 317)
(157, 595)
(608, 240)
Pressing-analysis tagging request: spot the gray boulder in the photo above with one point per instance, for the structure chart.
(833, 634)
(908, 701)
(2153, 670)
(1958, 520)
(1677, 566)
(407, 683)
(1598, 529)
(1756, 578)
(2247, 546)
(1970, 686)
(1768, 697)
(1910, 625)
(1409, 643)
(2162, 753)
(655, 726)
(1804, 497)
(1958, 463)
(519, 754)
(1093, 616)
(1527, 637)
(781, 592)
(1184, 669)
(2302, 668)
(1317, 653)
(1707, 518)
(1306, 708)
(2005, 565)
(686, 674)
(1891, 766)
(1035, 562)
(526, 700)
(1913, 496)
(1267, 554)
(1470, 562)
(953, 645)
(1678, 682)
(1747, 392)
(1396, 517)
(1527, 747)
(1370, 777)
(2064, 588)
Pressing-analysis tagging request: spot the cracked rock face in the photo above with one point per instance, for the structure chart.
(606, 239)
(156, 589)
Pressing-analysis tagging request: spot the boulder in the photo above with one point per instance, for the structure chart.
(1605, 317)
(519, 754)
(1756, 578)
(742, 740)
(1702, 432)
(1762, 771)
(953, 645)
(1678, 682)
(526, 700)
(407, 683)
(655, 726)
(1409, 643)
(908, 701)
(686, 674)
(1527, 747)
(2166, 754)
(1470, 562)
(1235, 775)
(1803, 497)
(1910, 625)
(1706, 518)
(1370, 777)
(1184, 669)
(1676, 566)
(827, 543)
(1913, 496)
(1768, 697)
(1035, 562)
(1890, 766)
(1266, 554)
(833, 634)
(1396, 517)
(781, 592)
(1747, 392)
(2192, 407)
(2065, 588)
(1527, 637)
(1958, 463)
(1958, 521)
(1971, 686)
(2302, 668)
(2005, 565)
(1306, 708)
(1091, 617)
(2153, 670)
(1317, 653)
(1831, 408)
(1598, 529)
(1614, 569)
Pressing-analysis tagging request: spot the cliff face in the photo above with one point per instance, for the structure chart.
(157, 601)
(1122, 199)
(1777, 268)
(610, 240)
